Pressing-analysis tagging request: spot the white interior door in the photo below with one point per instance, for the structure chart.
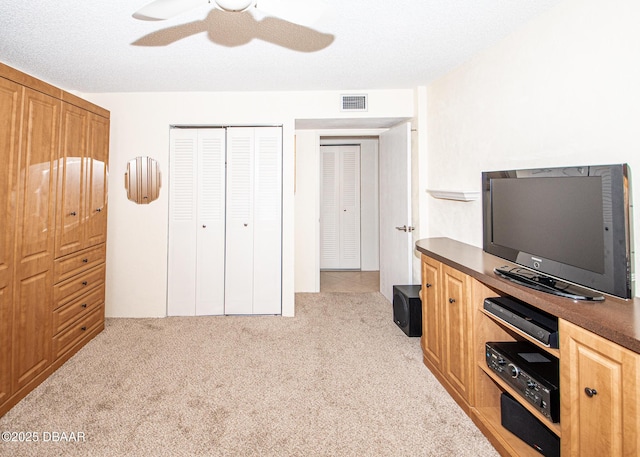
(267, 221)
(210, 226)
(196, 222)
(181, 286)
(340, 207)
(253, 269)
(395, 209)
(240, 228)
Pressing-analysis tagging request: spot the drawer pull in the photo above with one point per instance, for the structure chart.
(590, 392)
(73, 213)
(99, 210)
(83, 328)
(84, 283)
(85, 260)
(452, 300)
(84, 305)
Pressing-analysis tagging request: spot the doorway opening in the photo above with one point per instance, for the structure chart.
(349, 214)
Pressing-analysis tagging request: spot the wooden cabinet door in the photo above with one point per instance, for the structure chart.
(97, 171)
(10, 110)
(35, 204)
(431, 339)
(600, 406)
(456, 329)
(70, 207)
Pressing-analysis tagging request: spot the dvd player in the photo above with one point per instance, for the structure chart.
(539, 325)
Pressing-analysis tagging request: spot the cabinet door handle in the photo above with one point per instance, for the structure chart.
(98, 210)
(84, 283)
(590, 392)
(85, 260)
(452, 300)
(427, 285)
(83, 328)
(73, 213)
(84, 305)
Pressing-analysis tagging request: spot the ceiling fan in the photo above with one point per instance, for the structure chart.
(295, 11)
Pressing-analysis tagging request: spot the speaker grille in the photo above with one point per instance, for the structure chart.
(353, 103)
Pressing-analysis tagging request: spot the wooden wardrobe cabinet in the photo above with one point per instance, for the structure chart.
(54, 149)
(81, 170)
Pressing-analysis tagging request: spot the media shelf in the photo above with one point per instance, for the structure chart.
(510, 328)
(504, 387)
(489, 386)
(598, 349)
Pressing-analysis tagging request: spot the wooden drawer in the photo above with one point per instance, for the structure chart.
(70, 265)
(76, 332)
(78, 285)
(77, 309)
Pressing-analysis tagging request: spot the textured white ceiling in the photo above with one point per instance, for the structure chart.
(96, 46)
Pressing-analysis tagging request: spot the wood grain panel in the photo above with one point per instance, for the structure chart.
(10, 114)
(35, 200)
(70, 208)
(97, 173)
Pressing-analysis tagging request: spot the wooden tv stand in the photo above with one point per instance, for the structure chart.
(599, 350)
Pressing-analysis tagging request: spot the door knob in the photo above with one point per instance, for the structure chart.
(404, 228)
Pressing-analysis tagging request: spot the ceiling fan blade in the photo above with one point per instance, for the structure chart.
(295, 11)
(159, 10)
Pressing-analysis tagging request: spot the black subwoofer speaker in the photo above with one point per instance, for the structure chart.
(527, 427)
(407, 309)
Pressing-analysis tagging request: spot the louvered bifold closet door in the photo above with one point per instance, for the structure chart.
(329, 209)
(340, 207)
(211, 222)
(267, 235)
(254, 221)
(240, 228)
(350, 207)
(196, 222)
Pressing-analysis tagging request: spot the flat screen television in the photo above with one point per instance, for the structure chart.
(566, 228)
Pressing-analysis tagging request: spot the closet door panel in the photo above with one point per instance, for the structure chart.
(329, 209)
(181, 287)
(350, 207)
(35, 236)
(10, 110)
(70, 211)
(97, 171)
(340, 207)
(267, 240)
(240, 228)
(211, 222)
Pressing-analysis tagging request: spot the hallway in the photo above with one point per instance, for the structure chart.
(349, 281)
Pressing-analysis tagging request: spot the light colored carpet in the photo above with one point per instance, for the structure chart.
(339, 379)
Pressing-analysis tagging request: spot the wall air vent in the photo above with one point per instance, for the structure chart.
(353, 103)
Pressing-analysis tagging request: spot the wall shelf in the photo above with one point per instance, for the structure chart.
(459, 195)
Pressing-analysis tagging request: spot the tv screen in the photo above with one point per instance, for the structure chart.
(567, 224)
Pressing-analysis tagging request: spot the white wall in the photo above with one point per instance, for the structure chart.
(564, 90)
(137, 234)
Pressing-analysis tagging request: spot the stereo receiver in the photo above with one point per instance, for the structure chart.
(531, 372)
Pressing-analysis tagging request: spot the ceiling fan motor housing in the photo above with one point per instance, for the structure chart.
(234, 5)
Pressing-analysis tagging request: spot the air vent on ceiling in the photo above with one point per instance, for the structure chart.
(353, 103)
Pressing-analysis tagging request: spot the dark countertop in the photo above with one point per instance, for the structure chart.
(615, 319)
